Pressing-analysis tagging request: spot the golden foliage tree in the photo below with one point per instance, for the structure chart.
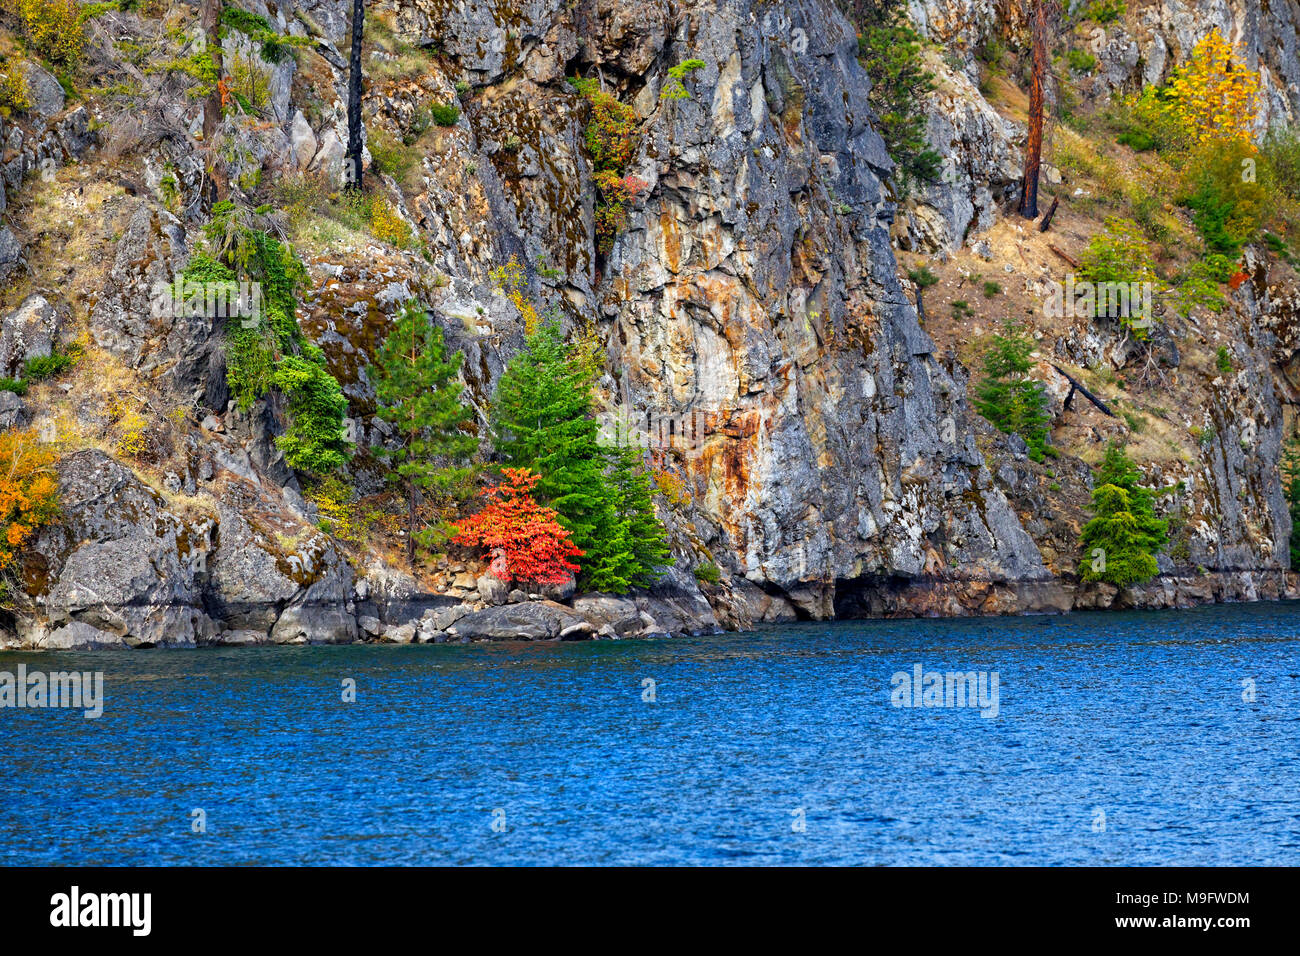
(1214, 95)
(29, 492)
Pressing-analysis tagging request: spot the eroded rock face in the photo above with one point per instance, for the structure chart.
(758, 287)
(139, 321)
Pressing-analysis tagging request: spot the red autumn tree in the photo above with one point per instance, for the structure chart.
(524, 539)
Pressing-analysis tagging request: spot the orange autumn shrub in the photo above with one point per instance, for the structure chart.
(29, 491)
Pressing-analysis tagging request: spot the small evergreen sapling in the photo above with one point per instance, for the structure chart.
(1122, 539)
(1006, 395)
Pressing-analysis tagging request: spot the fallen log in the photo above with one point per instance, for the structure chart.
(1077, 386)
(1064, 255)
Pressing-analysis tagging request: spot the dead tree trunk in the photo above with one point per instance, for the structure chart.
(352, 171)
(213, 103)
(1034, 148)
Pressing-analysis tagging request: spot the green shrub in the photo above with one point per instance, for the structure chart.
(923, 277)
(270, 352)
(15, 94)
(1281, 152)
(1145, 122)
(1136, 139)
(445, 114)
(708, 572)
(1119, 256)
(1228, 205)
(16, 385)
(1201, 284)
(675, 88)
(1104, 11)
(1081, 61)
(391, 156)
(991, 289)
(1223, 360)
(47, 366)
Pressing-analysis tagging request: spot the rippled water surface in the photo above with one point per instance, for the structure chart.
(1137, 716)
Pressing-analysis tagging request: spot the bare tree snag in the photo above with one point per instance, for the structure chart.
(352, 171)
(1051, 211)
(213, 105)
(1034, 148)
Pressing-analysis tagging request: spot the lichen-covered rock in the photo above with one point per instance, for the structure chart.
(275, 574)
(27, 332)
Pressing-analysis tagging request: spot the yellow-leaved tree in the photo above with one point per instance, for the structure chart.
(1214, 95)
(29, 494)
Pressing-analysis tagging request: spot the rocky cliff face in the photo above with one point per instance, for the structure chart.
(755, 324)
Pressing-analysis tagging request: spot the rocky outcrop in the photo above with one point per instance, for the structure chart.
(817, 452)
(27, 332)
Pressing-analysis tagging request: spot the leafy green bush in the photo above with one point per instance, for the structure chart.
(276, 48)
(1104, 11)
(390, 155)
(1281, 152)
(445, 114)
(16, 385)
(1081, 61)
(1223, 190)
(1201, 284)
(1144, 121)
(1119, 256)
(268, 351)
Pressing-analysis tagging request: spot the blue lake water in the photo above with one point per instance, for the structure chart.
(779, 746)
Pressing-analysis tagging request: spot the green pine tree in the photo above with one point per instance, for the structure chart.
(1006, 395)
(1291, 487)
(542, 418)
(636, 512)
(419, 393)
(1121, 541)
(891, 52)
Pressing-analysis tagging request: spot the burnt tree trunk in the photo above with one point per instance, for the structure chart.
(210, 24)
(1034, 148)
(352, 170)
